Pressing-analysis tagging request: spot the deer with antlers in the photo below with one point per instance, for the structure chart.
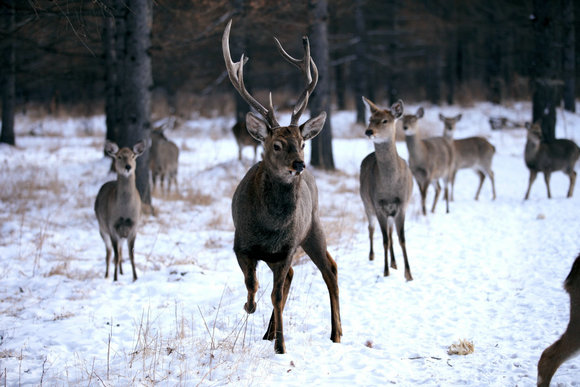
(275, 206)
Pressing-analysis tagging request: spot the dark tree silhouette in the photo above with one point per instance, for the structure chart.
(321, 154)
(8, 66)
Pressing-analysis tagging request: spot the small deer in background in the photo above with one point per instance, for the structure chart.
(569, 344)
(472, 152)
(430, 159)
(386, 183)
(243, 138)
(275, 206)
(118, 206)
(163, 160)
(557, 155)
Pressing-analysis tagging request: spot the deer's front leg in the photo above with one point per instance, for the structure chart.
(283, 274)
(248, 267)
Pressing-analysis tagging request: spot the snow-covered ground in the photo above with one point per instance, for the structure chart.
(490, 272)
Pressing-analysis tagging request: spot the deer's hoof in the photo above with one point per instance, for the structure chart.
(250, 308)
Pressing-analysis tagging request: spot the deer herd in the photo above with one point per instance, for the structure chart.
(275, 206)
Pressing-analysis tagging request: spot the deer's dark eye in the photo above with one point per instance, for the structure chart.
(277, 147)
(385, 121)
(302, 146)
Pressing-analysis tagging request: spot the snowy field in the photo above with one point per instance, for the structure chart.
(490, 272)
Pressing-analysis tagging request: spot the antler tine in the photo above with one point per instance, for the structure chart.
(303, 65)
(236, 75)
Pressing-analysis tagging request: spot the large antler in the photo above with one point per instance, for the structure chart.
(236, 74)
(304, 66)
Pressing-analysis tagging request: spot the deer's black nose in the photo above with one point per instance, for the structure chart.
(127, 167)
(368, 132)
(298, 166)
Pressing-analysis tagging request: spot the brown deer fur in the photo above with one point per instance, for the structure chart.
(569, 343)
(386, 183)
(275, 206)
(470, 153)
(163, 160)
(558, 155)
(430, 159)
(243, 138)
(118, 206)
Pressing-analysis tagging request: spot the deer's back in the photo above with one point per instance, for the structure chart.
(268, 222)
(392, 186)
(472, 151)
(438, 157)
(164, 157)
(243, 137)
(558, 155)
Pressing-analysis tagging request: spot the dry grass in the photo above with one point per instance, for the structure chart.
(462, 347)
(197, 198)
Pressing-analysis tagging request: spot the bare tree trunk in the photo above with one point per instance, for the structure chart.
(360, 72)
(321, 155)
(111, 74)
(545, 70)
(569, 56)
(137, 82)
(8, 88)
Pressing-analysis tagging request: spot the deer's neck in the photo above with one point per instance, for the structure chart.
(531, 151)
(415, 147)
(126, 189)
(387, 156)
(280, 198)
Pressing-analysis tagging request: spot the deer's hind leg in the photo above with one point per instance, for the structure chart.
(315, 247)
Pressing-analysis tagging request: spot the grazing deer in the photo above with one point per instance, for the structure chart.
(472, 152)
(118, 205)
(386, 183)
(243, 138)
(430, 159)
(163, 160)
(557, 155)
(275, 206)
(569, 344)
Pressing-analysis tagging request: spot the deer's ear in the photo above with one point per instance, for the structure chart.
(111, 148)
(256, 127)
(313, 126)
(441, 117)
(398, 108)
(139, 148)
(458, 117)
(374, 108)
(420, 113)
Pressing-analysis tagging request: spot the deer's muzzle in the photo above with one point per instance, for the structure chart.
(297, 167)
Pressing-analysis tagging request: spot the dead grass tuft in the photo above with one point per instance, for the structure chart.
(198, 198)
(463, 347)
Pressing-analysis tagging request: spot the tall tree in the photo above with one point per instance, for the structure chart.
(360, 65)
(136, 83)
(569, 56)
(9, 77)
(546, 69)
(321, 154)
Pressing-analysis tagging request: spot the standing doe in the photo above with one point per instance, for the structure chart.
(430, 159)
(243, 138)
(557, 155)
(472, 152)
(275, 206)
(163, 160)
(386, 183)
(118, 205)
(569, 344)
